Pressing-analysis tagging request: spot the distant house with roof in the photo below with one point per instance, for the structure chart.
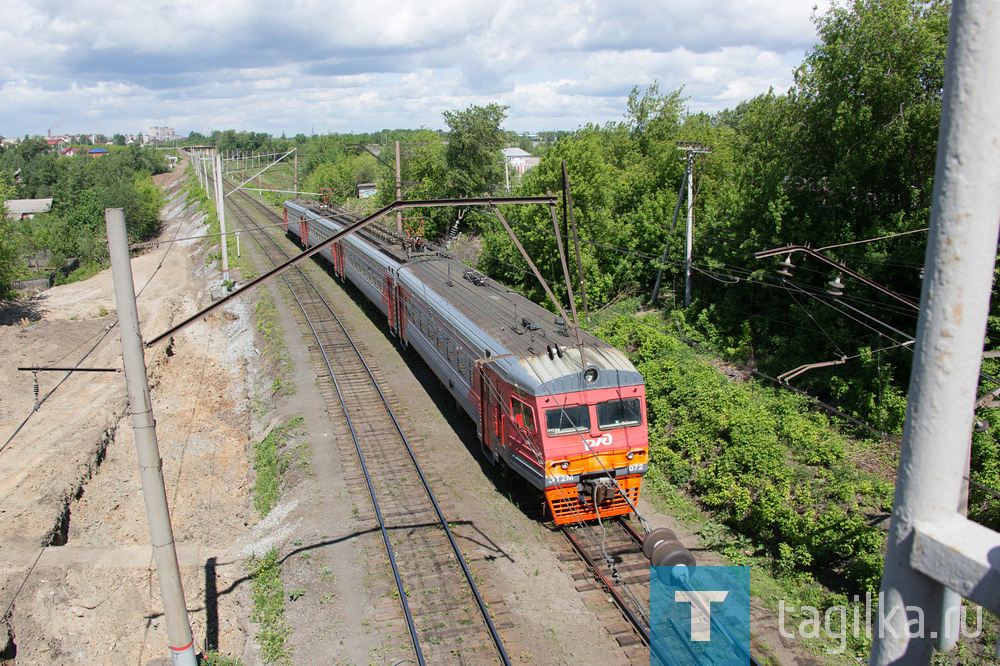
(69, 152)
(97, 152)
(519, 160)
(56, 142)
(26, 209)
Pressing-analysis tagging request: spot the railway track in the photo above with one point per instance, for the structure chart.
(610, 551)
(445, 614)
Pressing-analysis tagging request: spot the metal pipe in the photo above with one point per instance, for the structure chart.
(961, 255)
(534, 269)
(154, 493)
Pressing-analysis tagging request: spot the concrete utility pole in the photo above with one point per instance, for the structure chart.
(692, 150)
(209, 171)
(150, 467)
(220, 209)
(399, 193)
(932, 547)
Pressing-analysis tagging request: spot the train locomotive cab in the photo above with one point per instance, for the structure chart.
(595, 445)
(579, 435)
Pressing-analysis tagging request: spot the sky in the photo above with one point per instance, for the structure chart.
(319, 66)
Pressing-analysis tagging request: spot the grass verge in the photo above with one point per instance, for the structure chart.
(269, 607)
(266, 464)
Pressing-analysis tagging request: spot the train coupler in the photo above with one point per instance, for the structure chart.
(596, 490)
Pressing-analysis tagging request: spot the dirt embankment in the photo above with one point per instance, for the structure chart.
(76, 564)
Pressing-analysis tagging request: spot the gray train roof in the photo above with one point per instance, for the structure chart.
(492, 313)
(491, 316)
(342, 218)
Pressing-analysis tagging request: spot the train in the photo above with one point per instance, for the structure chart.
(569, 418)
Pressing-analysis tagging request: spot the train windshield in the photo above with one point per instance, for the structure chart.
(566, 420)
(618, 413)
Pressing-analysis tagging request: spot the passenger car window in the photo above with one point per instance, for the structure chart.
(618, 413)
(566, 420)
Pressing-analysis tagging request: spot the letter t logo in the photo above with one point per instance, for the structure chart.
(701, 611)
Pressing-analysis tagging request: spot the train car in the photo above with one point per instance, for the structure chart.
(568, 418)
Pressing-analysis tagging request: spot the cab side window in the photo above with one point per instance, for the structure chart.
(525, 412)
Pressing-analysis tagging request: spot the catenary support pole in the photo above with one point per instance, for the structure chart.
(220, 209)
(666, 244)
(209, 173)
(295, 173)
(689, 243)
(576, 240)
(150, 471)
(399, 193)
(954, 303)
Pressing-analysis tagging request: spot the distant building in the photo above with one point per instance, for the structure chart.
(56, 142)
(519, 160)
(367, 190)
(26, 209)
(161, 134)
(97, 152)
(68, 152)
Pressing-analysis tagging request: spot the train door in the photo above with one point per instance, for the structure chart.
(492, 416)
(388, 294)
(284, 217)
(522, 435)
(401, 312)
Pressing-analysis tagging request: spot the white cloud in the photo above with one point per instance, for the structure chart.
(97, 65)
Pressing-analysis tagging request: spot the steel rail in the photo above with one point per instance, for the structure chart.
(430, 494)
(361, 456)
(641, 627)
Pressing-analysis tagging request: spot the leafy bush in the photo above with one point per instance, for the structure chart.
(759, 460)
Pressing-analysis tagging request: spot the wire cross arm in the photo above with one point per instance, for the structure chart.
(57, 369)
(791, 374)
(788, 249)
(340, 235)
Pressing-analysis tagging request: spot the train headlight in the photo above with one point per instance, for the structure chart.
(565, 464)
(590, 375)
(631, 454)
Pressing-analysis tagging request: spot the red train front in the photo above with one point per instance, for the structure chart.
(577, 434)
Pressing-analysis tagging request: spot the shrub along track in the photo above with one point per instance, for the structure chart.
(444, 610)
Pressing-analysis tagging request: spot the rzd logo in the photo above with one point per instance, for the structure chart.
(603, 440)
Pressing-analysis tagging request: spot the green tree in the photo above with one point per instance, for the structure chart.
(475, 163)
(8, 243)
(118, 139)
(343, 176)
(847, 154)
